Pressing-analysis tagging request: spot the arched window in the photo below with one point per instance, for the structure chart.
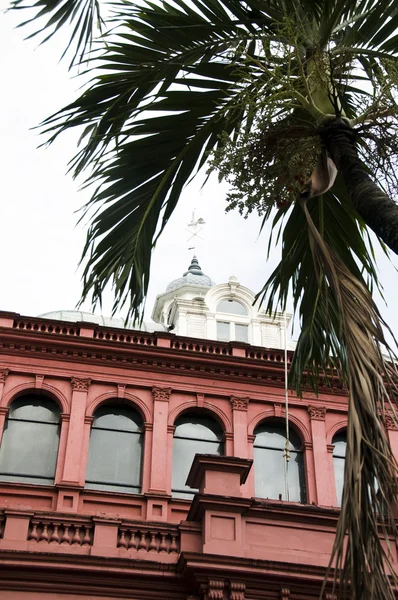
(340, 444)
(29, 446)
(115, 450)
(233, 327)
(232, 307)
(194, 434)
(269, 463)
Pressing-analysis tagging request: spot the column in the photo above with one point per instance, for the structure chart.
(74, 446)
(158, 476)
(323, 476)
(240, 441)
(3, 409)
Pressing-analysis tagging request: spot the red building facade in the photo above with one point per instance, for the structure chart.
(100, 493)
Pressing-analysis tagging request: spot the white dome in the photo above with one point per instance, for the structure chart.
(74, 316)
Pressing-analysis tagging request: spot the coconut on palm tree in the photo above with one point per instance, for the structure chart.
(294, 103)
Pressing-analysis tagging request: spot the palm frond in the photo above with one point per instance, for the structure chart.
(82, 15)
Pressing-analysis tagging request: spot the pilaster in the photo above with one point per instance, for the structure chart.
(72, 472)
(158, 477)
(322, 472)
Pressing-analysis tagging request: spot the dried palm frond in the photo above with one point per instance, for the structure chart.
(361, 551)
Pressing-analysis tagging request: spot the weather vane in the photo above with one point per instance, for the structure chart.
(195, 227)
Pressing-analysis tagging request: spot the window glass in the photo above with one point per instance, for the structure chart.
(30, 441)
(115, 450)
(121, 418)
(34, 408)
(340, 444)
(269, 464)
(241, 333)
(232, 307)
(223, 334)
(193, 435)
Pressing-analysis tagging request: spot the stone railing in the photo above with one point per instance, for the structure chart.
(57, 532)
(149, 538)
(39, 326)
(271, 356)
(110, 335)
(204, 348)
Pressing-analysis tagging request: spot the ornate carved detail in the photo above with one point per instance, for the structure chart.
(162, 394)
(121, 389)
(390, 422)
(80, 385)
(216, 589)
(237, 591)
(318, 413)
(39, 382)
(330, 596)
(239, 403)
(285, 594)
(3, 375)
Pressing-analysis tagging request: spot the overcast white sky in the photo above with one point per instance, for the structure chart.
(40, 243)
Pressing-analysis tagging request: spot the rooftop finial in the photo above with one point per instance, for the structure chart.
(194, 267)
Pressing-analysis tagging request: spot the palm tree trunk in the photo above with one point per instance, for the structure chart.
(375, 207)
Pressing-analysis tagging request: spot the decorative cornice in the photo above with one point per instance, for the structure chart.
(80, 385)
(259, 367)
(3, 375)
(239, 403)
(317, 413)
(237, 590)
(162, 394)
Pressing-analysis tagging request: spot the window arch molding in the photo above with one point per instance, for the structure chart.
(38, 416)
(272, 448)
(208, 409)
(339, 427)
(299, 428)
(195, 431)
(128, 399)
(232, 291)
(124, 442)
(49, 391)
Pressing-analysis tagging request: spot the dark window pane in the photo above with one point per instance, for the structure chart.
(184, 451)
(269, 473)
(29, 450)
(269, 463)
(269, 435)
(198, 427)
(122, 418)
(338, 464)
(241, 333)
(223, 331)
(34, 408)
(340, 445)
(232, 307)
(114, 459)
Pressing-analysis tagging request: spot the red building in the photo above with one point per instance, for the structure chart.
(100, 493)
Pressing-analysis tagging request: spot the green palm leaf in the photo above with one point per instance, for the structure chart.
(265, 87)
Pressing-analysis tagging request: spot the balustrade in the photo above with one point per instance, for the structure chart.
(143, 539)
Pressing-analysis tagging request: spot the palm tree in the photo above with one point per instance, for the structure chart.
(294, 102)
